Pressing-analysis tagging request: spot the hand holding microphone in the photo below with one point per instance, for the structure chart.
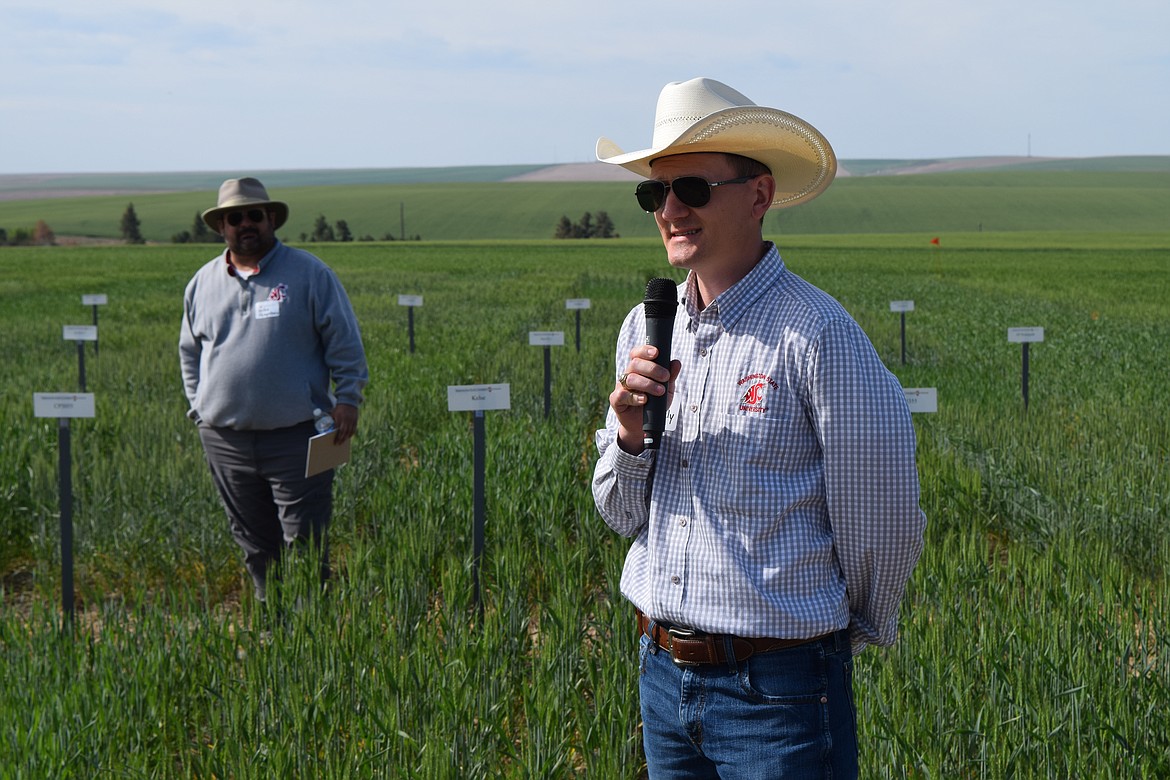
(641, 397)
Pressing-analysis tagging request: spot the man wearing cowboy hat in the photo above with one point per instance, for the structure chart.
(777, 522)
(268, 338)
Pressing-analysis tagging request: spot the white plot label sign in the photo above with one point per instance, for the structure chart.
(63, 405)
(79, 332)
(1025, 335)
(546, 338)
(922, 399)
(474, 398)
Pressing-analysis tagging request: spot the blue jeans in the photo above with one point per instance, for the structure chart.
(785, 714)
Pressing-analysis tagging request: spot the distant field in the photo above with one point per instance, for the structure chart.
(1118, 195)
(23, 187)
(1148, 164)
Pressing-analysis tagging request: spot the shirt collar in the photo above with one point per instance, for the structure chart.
(731, 304)
(264, 262)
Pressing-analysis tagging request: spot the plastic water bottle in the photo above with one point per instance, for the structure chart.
(321, 421)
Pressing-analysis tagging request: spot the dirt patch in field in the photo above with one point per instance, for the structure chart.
(39, 194)
(35, 186)
(967, 164)
(87, 241)
(592, 171)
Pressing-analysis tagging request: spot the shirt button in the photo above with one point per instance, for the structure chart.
(684, 463)
(703, 352)
(675, 580)
(694, 407)
(682, 521)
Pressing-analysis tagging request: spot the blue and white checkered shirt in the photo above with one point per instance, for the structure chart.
(785, 501)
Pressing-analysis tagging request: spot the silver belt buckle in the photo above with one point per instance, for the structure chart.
(681, 633)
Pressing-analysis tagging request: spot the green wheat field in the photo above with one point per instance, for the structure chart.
(1035, 633)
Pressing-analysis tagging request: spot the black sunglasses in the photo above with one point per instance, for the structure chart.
(255, 216)
(693, 191)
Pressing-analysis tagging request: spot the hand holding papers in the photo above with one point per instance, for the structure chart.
(325, 454)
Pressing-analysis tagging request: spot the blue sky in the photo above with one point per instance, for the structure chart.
(144, 85)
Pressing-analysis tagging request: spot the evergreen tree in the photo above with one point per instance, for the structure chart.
(584, 226)
(343, 233)
(201, 234)
(321, 230)
(131, 227)
(604, 226)
(564, 228)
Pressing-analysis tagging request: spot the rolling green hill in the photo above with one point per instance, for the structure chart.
(1118, 195)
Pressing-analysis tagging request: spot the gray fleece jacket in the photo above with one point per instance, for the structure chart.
(263, 352)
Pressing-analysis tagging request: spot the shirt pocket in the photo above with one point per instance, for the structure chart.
(756, 462)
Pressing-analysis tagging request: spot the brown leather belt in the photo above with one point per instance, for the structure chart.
(694, 648)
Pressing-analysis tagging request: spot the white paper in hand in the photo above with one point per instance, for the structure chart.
(324, 454)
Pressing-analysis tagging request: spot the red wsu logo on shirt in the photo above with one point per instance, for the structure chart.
(754, 399)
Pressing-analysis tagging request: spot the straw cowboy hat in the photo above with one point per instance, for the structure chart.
(238, 194)
(704, 115)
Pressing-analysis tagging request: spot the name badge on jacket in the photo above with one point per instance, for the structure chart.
(266, 309)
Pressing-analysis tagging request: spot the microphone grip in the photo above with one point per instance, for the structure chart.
(659, 333)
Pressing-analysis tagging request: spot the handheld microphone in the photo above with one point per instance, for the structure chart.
(660, 306)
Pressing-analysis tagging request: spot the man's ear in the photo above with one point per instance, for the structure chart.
(765, 191)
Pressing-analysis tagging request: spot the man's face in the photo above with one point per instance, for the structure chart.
(710, 238)
(252, 235)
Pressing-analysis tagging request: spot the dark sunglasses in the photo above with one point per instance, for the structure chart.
(255, 216)
(693, 191)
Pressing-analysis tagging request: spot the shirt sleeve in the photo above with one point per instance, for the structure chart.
(621, 481)
(871, 478)
(342, 340)
(190, 350)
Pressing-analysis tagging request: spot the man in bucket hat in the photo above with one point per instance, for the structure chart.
(268, 341)
(777, 521)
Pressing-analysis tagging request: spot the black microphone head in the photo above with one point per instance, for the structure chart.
(661, 298)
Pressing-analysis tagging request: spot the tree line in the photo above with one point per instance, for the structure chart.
(339, 231)
(588, 226)
(322, 231)
(40, 235)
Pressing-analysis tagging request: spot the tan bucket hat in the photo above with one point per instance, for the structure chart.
(240, 193)
(704, 115)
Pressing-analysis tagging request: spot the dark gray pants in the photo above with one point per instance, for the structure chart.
(270, 504)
